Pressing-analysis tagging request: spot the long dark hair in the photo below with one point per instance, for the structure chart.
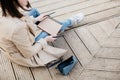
(11, 7)
(28, 5)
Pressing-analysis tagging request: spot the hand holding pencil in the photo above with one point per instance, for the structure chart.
(42, 17)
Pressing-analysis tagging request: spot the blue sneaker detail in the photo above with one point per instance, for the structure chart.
(66, 66)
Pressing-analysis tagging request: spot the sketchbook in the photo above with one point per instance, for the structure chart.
(50, 25)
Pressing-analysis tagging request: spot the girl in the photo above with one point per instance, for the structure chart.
(17, 37)
(21, 40)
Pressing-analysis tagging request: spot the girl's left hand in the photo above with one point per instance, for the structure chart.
(50, 39)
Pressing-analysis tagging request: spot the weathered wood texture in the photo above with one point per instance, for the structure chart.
(95, 42)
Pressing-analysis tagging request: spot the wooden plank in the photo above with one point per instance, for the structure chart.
(43, 3)
(99, 8)
(115, 21)
(99, 75)
(93, 18)
(88, 40)
(107, 27)
(104, 64)
(102, 15)
(87, 11)
(6, 71)
(71, 8)
(102, 32)
(34, 1)
(111, 53)
(22, 73)
(41, 73)
(56, 75)
(98, 33)
(118, 23)
(78, 47)
(112, 42)
(75, 73)
(116, 33)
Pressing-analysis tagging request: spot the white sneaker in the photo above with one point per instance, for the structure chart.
(76, 19)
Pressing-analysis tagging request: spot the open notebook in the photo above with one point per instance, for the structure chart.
(50, 25)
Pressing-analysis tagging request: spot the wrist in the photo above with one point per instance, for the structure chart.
(36, 19)
(46, 39)
(43, 42)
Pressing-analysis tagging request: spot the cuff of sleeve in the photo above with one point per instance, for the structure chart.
(33, 19)
(43, 42)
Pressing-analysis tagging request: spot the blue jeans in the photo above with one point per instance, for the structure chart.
(65, 24)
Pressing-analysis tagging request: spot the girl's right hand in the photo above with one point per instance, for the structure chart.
(41, 17)
(50, 39)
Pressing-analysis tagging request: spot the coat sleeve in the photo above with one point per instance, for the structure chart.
(21, 39)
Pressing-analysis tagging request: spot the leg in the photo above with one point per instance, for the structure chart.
(34, 12)
(73, 21)
(41, 35)
(65, 24)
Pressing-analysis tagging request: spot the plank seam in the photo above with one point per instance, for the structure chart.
(83, 43)
(13, 71)
(72, 51)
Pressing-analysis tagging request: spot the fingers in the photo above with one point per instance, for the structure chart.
(50, 38)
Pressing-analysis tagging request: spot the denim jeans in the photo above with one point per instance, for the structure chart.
(65, 24)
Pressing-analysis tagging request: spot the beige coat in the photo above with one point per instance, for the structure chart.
(17, 40)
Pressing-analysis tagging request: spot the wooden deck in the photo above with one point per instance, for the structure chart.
(95, 42)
